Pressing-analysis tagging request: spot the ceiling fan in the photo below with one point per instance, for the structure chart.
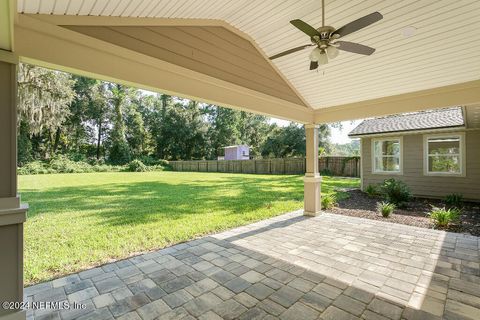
(325, 39)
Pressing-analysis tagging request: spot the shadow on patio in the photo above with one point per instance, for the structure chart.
(288, 267)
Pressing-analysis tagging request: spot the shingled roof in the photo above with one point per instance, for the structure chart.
(423, 120)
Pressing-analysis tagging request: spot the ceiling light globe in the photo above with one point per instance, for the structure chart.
(323, 59)
(315, 54)
(332, 52)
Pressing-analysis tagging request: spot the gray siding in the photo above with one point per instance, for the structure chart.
(429, 186)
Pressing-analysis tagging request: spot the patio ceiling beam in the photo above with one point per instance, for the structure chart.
(49, 45)
(453, 95)
(7, 14)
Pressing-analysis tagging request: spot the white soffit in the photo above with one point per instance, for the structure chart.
(444, 50)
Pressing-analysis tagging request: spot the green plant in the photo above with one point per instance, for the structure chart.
(326, 172)
(454, 200)
(385, 208)
(62, 164)
(136, 166)
(34, 167)
(372, 190)
(443, 217)
(396, 192)
(328, 201)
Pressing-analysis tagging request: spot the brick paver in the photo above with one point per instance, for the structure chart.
(288, 267)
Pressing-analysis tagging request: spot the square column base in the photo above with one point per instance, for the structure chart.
(312, 195)
(19, 315)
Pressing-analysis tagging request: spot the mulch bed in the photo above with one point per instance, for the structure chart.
(359, 204)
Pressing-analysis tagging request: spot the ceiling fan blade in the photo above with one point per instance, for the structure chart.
(359, 24)
(355, 47)
(305, 27)
(284, 53)
(313, 65)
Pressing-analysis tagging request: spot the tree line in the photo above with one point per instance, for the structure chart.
(92, 120)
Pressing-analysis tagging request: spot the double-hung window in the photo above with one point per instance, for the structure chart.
(444, 154)
(387, 155)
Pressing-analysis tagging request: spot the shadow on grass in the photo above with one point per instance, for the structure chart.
(142, 202)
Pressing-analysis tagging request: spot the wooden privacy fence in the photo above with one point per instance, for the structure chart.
(336, 166)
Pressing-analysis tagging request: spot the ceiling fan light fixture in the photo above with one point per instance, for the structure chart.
(325, 39)
(315, 55)
(332, 52)
(323, 58)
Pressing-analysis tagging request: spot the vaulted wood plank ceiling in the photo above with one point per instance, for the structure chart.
(444, 49)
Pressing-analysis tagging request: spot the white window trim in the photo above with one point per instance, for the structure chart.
(400, 140)
(462, 154)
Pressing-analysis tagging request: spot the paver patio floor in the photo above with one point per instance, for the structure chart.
(288, 267)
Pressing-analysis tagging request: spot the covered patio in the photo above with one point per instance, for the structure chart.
(288, 267)
(217, 52)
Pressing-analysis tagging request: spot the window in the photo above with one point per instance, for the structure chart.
(387, 157)
(444, 154)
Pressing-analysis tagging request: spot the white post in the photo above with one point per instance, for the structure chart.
(312, 179)
(12, 212)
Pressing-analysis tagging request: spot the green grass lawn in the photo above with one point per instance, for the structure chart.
(77, 221)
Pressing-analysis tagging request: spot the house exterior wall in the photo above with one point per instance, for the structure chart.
(413, 173)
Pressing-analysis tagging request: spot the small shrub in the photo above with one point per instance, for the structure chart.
(385, 208)
(62, 164)
(34, 167)
(149, 160)
(443, 217)
(396, 192)
(326, 172)
(328, 201)
(136, 166)
(454, 200)
(372, 190)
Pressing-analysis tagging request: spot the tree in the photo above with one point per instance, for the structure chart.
(159, 127)
(290, 141)
(44, 97)
(99, 111)
(224, 129)
(347, 149)
(253, 130)
(135, 130)
(119, 152)
(83, 109)
(85, 118)
(285, 142)
(183, 131)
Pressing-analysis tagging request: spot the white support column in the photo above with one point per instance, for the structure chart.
(312, 179)
(12, 212)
